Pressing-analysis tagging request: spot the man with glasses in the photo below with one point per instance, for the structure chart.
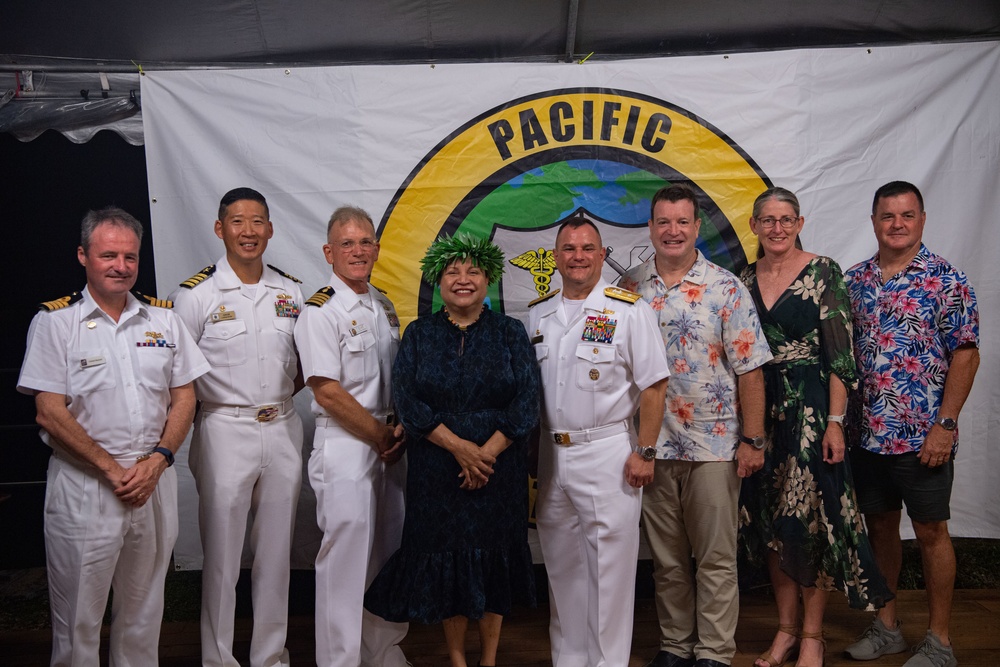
(916, 340)
(347, 336)
(715, 348)
(246, 451)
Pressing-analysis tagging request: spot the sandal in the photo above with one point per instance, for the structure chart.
(790, 654)
(818, 636)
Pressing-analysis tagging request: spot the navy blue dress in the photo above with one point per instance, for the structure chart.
(463, 553)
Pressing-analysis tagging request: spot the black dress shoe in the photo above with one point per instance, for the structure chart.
(668, 659)
(708, 662)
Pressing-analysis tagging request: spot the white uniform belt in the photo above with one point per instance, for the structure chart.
(567, 438)
(381, 417)
(261, 413)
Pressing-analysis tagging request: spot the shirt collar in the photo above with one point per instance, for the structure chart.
(227, 278)
(90, 310)
(918, 264)
(348, 297)
(697, 274)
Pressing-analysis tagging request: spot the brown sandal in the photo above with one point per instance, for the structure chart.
(817, 636)
(790, 654)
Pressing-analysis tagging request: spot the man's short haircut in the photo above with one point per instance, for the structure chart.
(894, 189)
(346, 214)
(241, 194)
(576, 222)
(675, 193)
(110, 215)
(777, 194)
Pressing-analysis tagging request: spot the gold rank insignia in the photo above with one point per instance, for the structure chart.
(199, 277)
(320, 297)
(56, 304)
(621, 294)
(282, 273)
(152, 300)
(548, 296)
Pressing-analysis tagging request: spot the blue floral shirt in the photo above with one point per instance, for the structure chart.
(711, 333)
(905, 332)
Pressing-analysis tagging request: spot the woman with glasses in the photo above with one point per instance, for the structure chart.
(799, 510)
(466, 388)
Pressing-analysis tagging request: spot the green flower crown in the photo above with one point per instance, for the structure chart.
(447, 249)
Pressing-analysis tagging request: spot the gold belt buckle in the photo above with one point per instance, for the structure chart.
(266, 413)
(562, 439)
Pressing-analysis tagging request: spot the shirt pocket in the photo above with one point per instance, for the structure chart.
(155, 366)
(225, 343)
(361, 360)
(594, 366)
(541, 352)
(285, 343)
(85, 376)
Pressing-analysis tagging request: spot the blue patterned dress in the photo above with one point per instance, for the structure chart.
(464, 553)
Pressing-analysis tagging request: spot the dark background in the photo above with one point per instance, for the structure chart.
(46, 187)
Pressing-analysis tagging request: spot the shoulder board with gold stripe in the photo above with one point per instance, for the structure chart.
(56, 304)
(621, 294)
(152, 300)
(320, 297)
(282, 273)
(380, 290)
(199, 277)
(543, 298)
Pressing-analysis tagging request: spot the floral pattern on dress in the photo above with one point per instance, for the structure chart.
(905, 333)
(798, 505)
(710, 332)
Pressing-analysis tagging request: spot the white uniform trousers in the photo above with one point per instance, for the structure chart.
(359, 508)
(244, 467)
(588, 528)
(95, 543)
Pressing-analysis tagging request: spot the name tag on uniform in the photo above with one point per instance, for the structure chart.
(358, 330)
(599, 329)
(92, 361)
(223, 316)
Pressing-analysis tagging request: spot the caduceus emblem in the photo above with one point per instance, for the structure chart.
(541, 264)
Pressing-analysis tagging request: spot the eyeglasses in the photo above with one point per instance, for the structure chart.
(349, 246)
(787, 222)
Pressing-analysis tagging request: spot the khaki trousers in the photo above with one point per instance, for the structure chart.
(689, 514)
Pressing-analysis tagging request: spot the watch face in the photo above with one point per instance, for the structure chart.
(947, 423)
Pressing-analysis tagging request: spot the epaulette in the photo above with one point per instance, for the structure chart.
(199, 277)
(381, 290)
(621, 294)
(56, 304)
(152, 300)
(279, 272)
(320, 297)
(543, 298)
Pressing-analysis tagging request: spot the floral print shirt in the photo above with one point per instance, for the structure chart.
(711, 334)
(905, 332)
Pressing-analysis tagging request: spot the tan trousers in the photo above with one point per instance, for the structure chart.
(689, 512)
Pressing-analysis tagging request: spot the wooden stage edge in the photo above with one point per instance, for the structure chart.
(975, 631)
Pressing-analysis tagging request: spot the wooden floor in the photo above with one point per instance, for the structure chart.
(975, 632)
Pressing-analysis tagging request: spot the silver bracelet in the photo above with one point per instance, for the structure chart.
(836, 419)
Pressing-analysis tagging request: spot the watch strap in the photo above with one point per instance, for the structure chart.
(167, 454)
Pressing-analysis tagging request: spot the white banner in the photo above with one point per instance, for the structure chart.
(509, 150)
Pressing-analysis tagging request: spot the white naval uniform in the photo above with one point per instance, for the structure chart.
(352, 339)
(116, 377)
(240, 463)
(587, 514)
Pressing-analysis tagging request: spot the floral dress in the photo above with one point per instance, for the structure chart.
(798, 505)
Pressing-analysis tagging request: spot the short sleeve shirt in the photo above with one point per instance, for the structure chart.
(351, 338)
(905, 331)
(595, 365)
(245, 333)
(116, 376)
(711, 333)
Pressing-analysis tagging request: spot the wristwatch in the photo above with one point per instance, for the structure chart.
(947, 423)
(647, 453)
(755, 442)
(167, 454)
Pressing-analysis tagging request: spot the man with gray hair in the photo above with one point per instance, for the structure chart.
(347, 336)
(112, 374)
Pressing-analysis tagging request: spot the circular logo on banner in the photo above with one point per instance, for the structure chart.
(516, 172)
